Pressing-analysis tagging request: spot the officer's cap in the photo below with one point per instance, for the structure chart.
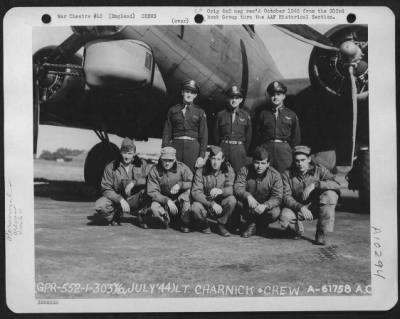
(191, 85)
(168, 152)
(128, 145)
(302, 149)
(275, 87)
(235, 91)
(214, 150)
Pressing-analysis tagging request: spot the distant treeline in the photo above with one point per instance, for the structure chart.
(60, 153)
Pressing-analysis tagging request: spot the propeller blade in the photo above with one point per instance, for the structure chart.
(354, 103)
(67, 49)
(308, 35)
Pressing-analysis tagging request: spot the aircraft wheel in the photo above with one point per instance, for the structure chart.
(364, 187)
(98, 157)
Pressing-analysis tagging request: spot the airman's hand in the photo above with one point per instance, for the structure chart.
(260, 209)
(172, 207)
(216, 208)
(215, 192)
(175, 189)
(200, 162)
(128, 188)
(252, 202)
(307, 191)
(306, 214)
(125, 206)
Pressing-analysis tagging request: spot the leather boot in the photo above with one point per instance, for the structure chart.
(250, 231)
(320, 238)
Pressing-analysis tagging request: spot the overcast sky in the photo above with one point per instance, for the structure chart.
(292, 62)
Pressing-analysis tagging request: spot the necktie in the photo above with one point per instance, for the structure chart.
(276, 111)
(185, 109)
(233, 116)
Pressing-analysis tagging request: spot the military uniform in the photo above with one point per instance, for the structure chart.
(186, 130)
(233, 133)
(159, 184)
(279, 131)
(205, 180)
(113, 184)
(266, 189)
(321, 202)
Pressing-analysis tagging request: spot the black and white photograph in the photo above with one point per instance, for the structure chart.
(202, 160)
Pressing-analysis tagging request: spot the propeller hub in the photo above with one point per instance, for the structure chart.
(350, 51)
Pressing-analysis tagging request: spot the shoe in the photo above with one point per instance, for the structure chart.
(320, 238)
(250, 231)
(206, 230)
(223, 231)
(298, 233)
(142, 224)
(184, 229)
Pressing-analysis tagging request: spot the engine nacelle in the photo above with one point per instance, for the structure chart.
(118, 64)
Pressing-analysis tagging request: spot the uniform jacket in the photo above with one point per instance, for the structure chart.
(239, 130)
(193, 124)
(266, 189)
(160, 181)
(285, 127)
(294, 184)
(115, 178)
(206, 179)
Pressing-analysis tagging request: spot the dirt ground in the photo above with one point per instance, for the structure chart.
(76, 258)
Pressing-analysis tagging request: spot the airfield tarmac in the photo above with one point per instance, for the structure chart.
(75, 258)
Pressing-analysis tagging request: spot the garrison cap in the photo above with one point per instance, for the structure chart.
(302, 149)
(191, 85)
(276, 86)
(128, 145)
(168, 152)
(214, 150)
(235, 91)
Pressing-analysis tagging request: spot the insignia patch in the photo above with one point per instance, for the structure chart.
(288, 118)
(240, 119)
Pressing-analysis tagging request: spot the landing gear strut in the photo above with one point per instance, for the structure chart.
(98, 157)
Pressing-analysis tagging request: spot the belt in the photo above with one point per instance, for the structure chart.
(277, 140)
(232, 142)
(185, 138)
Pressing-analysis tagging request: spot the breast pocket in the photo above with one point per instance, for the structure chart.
(177, 117)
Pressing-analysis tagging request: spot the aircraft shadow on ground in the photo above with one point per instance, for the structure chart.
(65, 190)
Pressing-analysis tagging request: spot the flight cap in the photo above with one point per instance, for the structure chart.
(214, 150)
(235, 91)
(128, 145)
(191, 85)
(302, 149)
(276, 86)
(168, 152)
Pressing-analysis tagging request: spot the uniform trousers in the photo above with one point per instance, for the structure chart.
(235, 154)
(200, 213)
(281, 155)
(159, 214)
(262, 220)
(187, 151)
(322, 208)
(106, 208)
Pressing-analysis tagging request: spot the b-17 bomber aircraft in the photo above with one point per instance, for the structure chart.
(128, 77)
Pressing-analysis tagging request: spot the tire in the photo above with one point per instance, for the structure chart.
(98, 157)
(364, 187)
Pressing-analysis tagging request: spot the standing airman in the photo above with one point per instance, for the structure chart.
(233, 130)
(186, 128)
(278, 128)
